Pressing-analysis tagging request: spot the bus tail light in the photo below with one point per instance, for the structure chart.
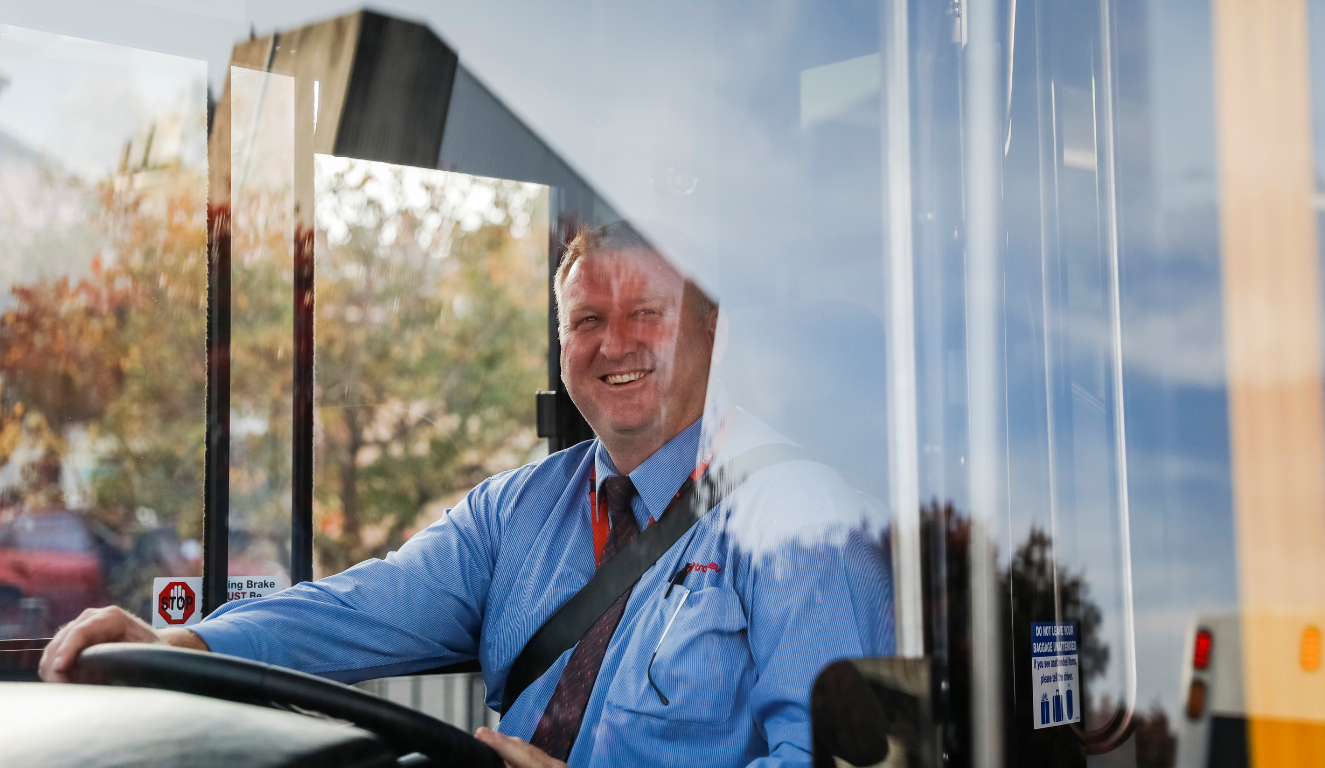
(1196, 700)
(1309, 656)
(1201, 653)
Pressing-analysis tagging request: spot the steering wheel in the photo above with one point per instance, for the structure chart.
(225, 677)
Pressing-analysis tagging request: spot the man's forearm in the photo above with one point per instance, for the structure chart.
(183, 638)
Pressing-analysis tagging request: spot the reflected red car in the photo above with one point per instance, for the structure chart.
(49, 556)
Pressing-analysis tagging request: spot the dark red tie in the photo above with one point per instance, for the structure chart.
(561, 720)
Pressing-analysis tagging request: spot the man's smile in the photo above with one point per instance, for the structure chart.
(619, 379)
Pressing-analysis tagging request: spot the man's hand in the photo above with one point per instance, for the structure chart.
(111, 624)
(517, 752)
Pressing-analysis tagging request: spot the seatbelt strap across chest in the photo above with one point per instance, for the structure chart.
(695, 500)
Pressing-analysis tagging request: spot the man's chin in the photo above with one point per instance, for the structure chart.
(630, 426)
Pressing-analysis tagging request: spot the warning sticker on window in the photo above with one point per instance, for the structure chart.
(1055, 683)
(178, 599)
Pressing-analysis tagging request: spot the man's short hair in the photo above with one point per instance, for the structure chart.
(618, 236)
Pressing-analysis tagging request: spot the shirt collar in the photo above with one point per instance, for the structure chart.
(660, 476)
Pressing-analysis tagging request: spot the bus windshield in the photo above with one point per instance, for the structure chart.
(933, 382)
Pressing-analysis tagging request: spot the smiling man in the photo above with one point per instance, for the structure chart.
(706, 659)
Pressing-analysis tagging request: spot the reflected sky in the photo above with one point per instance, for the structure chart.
(69, 109)
(78, 101)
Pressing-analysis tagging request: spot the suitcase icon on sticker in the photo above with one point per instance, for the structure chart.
(1058, 706)
(1044, 709)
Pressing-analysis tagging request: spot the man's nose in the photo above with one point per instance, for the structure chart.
(618, 341)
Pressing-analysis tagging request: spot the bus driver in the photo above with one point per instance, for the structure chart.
(782, 578)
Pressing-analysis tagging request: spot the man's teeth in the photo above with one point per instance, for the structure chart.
(624, 378)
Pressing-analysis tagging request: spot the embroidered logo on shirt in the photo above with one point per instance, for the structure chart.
(702, 568)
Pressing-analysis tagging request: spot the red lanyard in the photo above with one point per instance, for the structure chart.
(598, 514)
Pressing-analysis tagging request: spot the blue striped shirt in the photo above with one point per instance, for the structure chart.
(792, 578)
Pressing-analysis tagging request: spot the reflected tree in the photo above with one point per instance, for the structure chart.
(945, 539)
(107, 370)
(431, 339)
(1040, 589)
(1026, 590)
(1156, 744)
(1032, 582)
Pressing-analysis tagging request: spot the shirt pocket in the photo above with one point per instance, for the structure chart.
(703, 665)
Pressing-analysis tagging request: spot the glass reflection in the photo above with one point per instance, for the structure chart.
(816, 162)
(431, 340)
(102, 325)
(262, 122)
(1068, 507)
(1102, 271)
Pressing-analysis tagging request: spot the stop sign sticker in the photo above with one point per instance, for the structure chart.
(176, 601)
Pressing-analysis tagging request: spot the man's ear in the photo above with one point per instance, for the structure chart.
(716, 326)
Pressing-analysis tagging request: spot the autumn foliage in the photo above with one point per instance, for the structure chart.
(431, 339)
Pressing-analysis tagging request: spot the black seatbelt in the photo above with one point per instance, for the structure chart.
(695, 500)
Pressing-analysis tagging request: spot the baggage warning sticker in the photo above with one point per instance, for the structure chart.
(1055, 683)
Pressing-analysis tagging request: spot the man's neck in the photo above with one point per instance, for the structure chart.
(629, 451)
(628, 455)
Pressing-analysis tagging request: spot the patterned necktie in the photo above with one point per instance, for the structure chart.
(561, 720)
